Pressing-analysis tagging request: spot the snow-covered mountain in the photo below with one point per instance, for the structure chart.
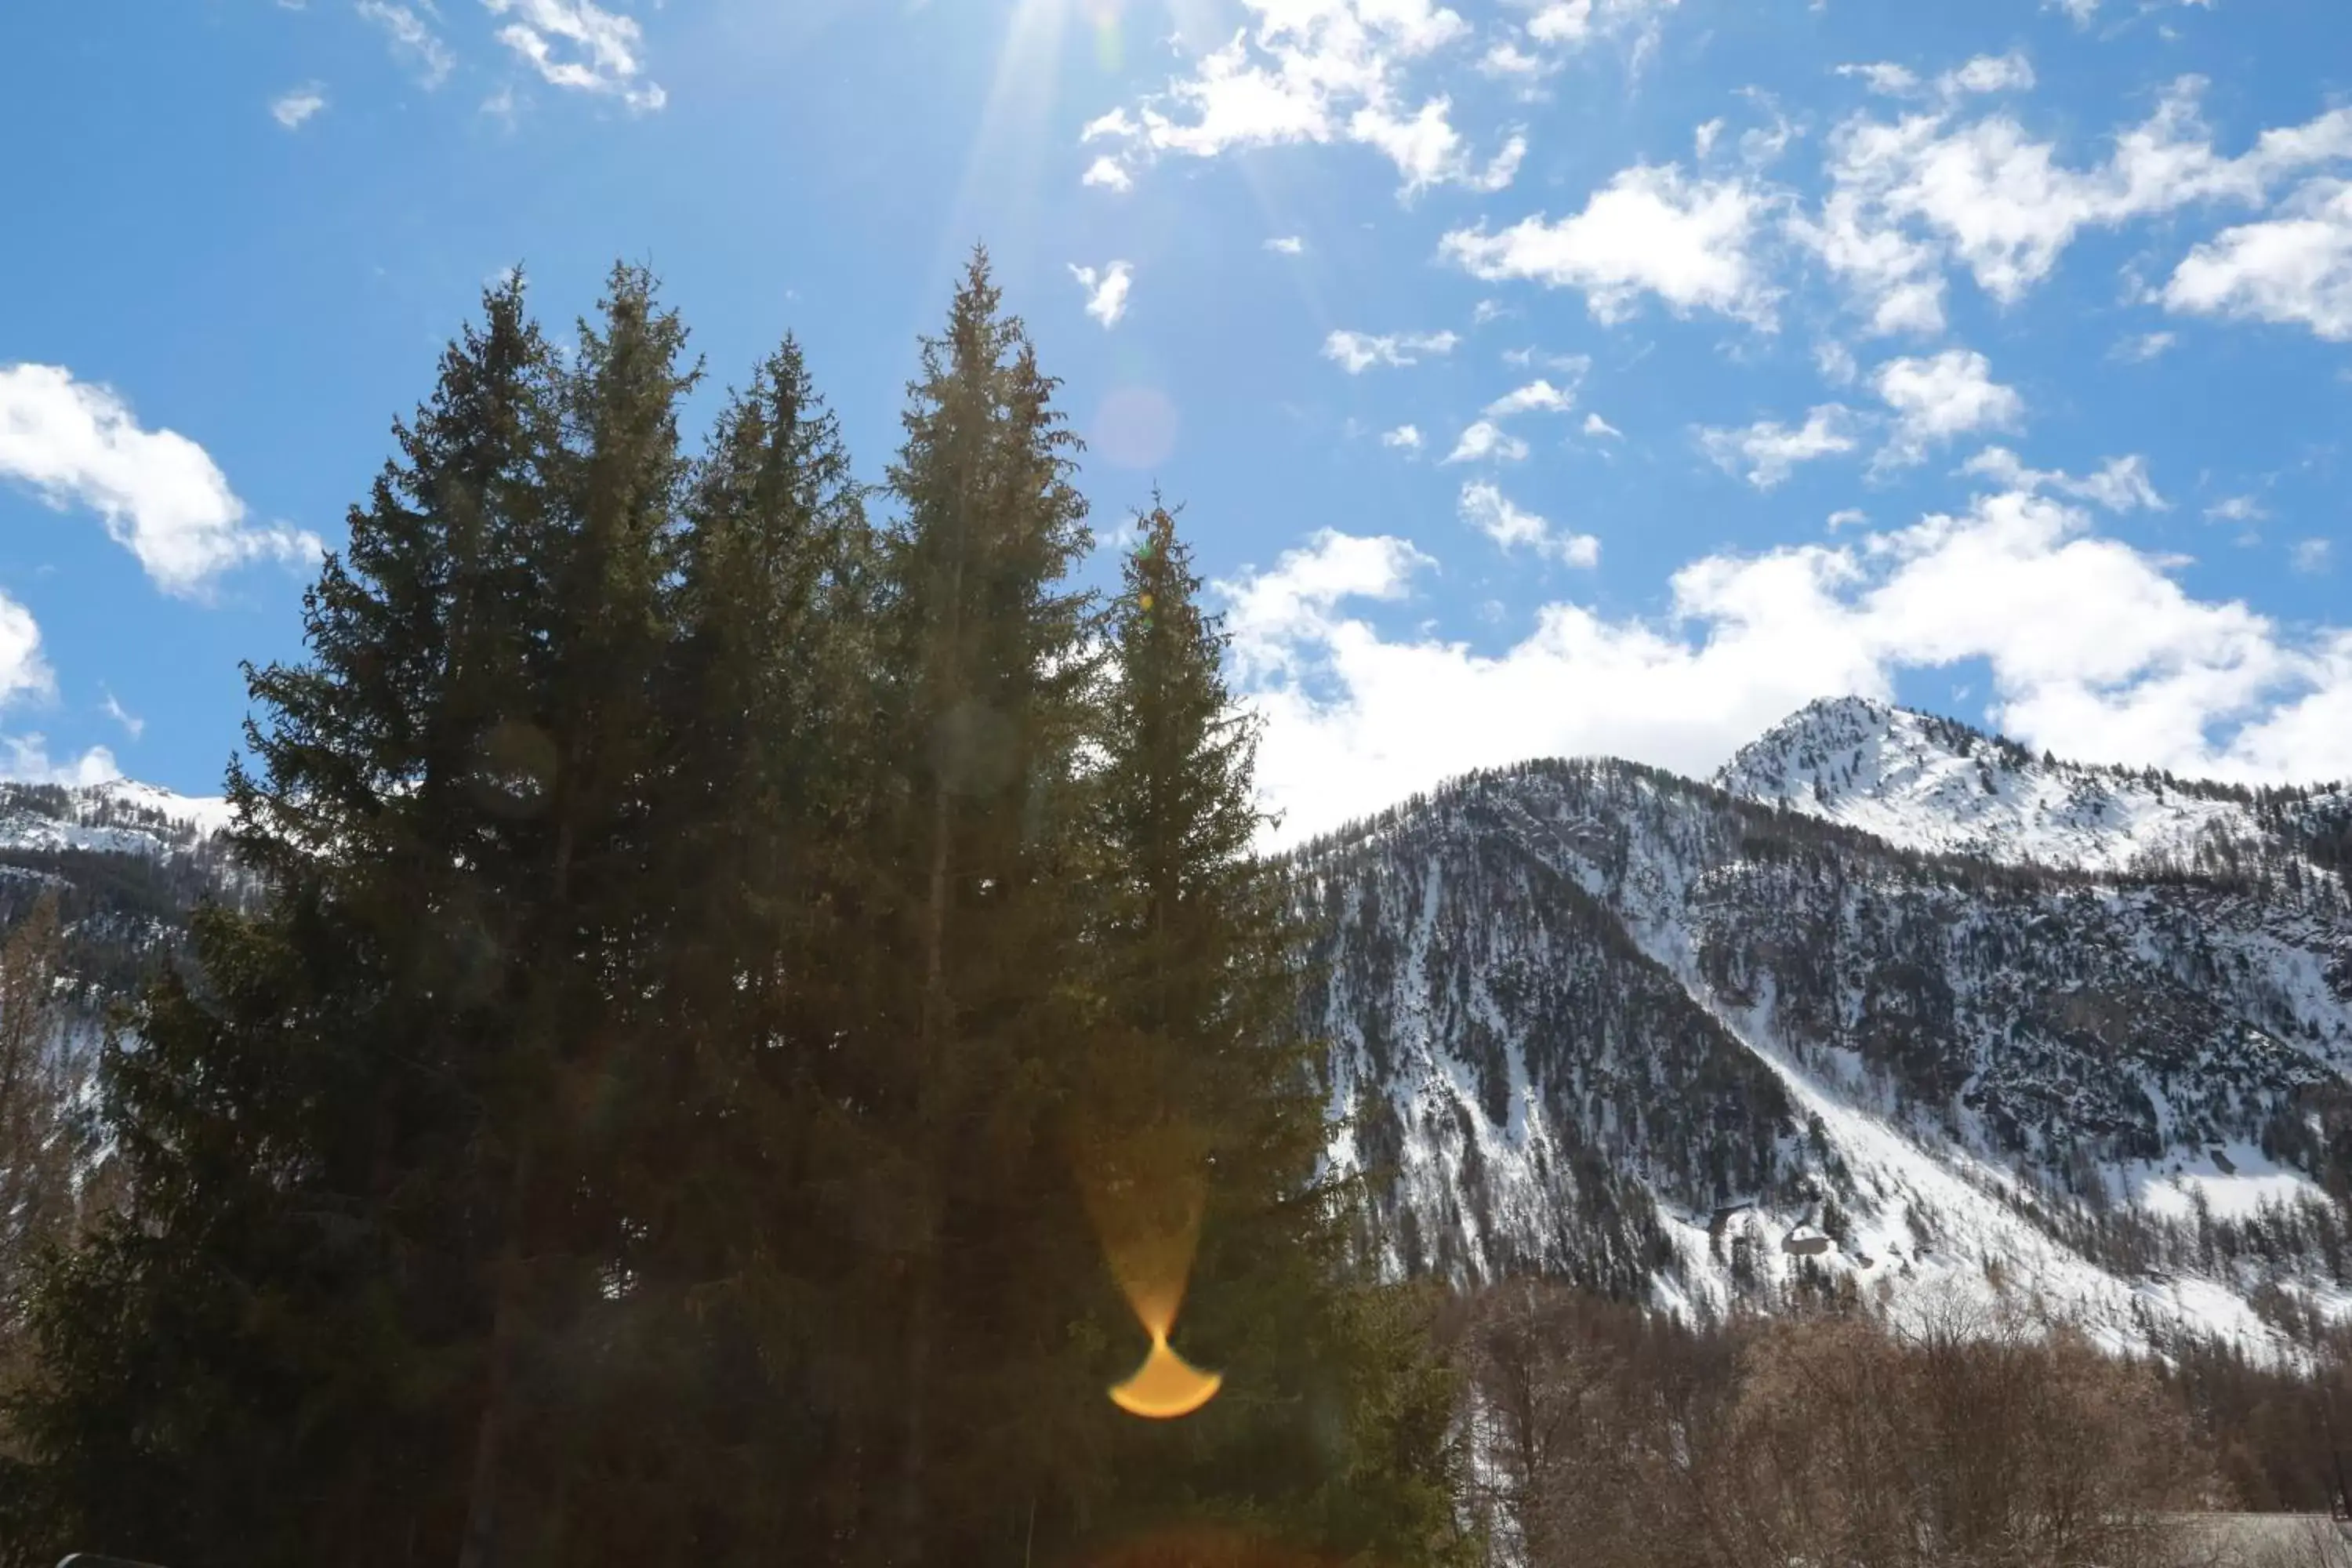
(119, 817)
(1937, 784)
(1998, 1026)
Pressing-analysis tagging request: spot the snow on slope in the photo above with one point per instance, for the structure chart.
(119, 818)
(1933, 784)
(1448, 938)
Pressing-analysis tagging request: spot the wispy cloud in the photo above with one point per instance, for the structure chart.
(1356, 352)
(1483, 440)
(296, 105)
(133, 725)
(1106, 289)
(1483, 505)
(577, 44)
(1286, 245)
(412, 39)
(1766, 452)
(1404, 438)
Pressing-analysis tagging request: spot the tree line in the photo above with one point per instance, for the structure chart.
(1979, 1434)
(723, 937)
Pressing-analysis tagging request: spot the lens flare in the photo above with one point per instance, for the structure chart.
(1143, 1190)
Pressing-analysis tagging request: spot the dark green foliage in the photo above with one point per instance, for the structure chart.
(693, 938)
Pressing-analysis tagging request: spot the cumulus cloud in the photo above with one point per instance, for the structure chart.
(295, 105)
(577, 44)
(1767, 451)
(1908, 195)
(1939, 398)
(26, 758)
(411, 39)
(1108, 175)
(1403, 438)
(1538, 396)
(24, 673)
(2294, 268)
(1485, 440)
(1485, 507)
(2093, 648)
(1106, 291)
(1356, 352)
(1649, 231)
(1319, 71)
(161, 495)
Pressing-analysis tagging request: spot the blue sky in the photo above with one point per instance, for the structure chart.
(1537, 376)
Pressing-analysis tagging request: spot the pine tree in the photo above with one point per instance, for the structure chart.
(969, 1019)
(351, 1313)
(1331, 1428)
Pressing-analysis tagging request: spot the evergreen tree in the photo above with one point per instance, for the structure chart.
(969, 1018)
(350, 1313)
(1331, 1428)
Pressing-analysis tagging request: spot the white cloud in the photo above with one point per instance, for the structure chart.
(1650, 230)
(2237, 509)
(1702, 139)
(412, 39)
(1936, 399)
(1909, 194)
(2011, 73)
(1484, 439)
(295, 105)
(2311, 556)
(2093, 649)
(1847, 517)
(1404, 438)
(1106, 291)
(1286, 245)
(22, 671)
(2121, 484)
(578, 45)
(1766, 452)
(1486, 508)
(2143, 347)
(1486, 311)
(2294, 268)
(1885, 76)
(1356, 352)
(1318, 71)
(1428, 150)
(1538, 396)
(1598, 428)
(1108, 175)
(159, 493)
(1573, 365)
(133, 725)
(26, 757)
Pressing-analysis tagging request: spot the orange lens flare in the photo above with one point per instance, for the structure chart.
(1166, 1386)
(1144, 1194)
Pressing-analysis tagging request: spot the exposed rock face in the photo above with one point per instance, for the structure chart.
(1982, 1019)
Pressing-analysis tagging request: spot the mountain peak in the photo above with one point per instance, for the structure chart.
(1934, 783)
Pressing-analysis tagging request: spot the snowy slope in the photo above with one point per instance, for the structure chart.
(1594, 1020)
(121, 817)
(1935, 784)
